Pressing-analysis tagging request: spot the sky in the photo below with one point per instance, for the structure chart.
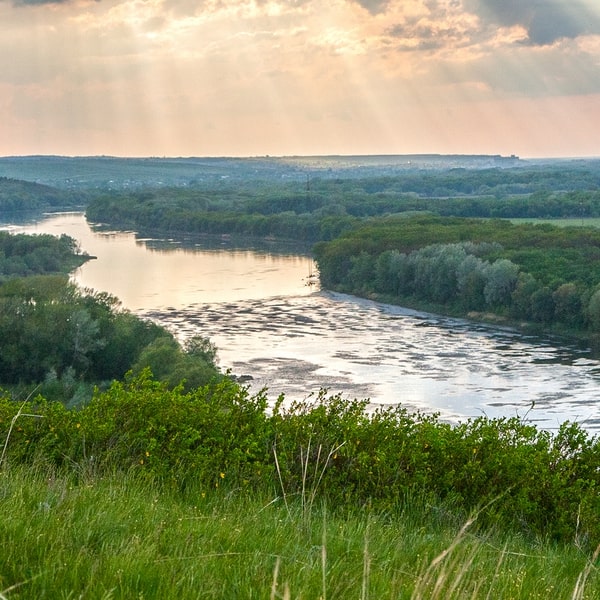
(300, 77)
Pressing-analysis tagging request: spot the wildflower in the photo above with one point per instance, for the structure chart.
(222, 475)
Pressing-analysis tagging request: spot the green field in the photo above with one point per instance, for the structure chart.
(571, 222)
(118, 537)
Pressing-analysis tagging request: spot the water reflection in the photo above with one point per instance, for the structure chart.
(255, 305)
(363, 349)
(146, 273)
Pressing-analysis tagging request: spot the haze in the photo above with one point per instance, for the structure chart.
(299, 77)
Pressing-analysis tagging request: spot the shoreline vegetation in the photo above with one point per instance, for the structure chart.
(131, 467)
(391, 504)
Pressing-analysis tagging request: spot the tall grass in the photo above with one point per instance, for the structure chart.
(121, 537)
(156, 493)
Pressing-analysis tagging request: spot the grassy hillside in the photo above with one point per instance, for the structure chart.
(155, 494)
(120, 537)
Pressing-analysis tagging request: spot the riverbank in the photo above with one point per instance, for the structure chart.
(296, 345)
(557, 331)
(268, 324)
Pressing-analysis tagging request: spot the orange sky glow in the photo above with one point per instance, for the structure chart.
(299, 77)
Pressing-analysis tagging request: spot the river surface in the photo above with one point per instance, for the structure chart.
(292, 338)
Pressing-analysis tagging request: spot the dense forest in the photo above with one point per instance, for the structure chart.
(65, 340)
(322, 206)
(533, 272)
(37, 255)
(18, 195)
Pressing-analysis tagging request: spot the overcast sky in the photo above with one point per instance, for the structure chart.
(297, 77)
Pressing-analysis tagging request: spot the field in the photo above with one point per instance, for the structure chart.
(571, 222)
(119, 537)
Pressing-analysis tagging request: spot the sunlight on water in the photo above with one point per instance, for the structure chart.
(147, 275)
(269, 325)
(391, 355)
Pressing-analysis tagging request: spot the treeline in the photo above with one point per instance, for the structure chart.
(155, 213)
(537, 273)
(17, 195)
(324, 209)
(22, 254)
(63, 341)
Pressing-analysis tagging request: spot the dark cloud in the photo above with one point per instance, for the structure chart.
(545, 20)
(374, 6)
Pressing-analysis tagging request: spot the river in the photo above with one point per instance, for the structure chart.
(255, 305)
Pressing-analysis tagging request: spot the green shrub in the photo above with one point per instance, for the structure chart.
(325, 448)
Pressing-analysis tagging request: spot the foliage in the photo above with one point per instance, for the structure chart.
(66, 339)
(22, 255)
(327, 449)
(206, 435)
(250, 199)
(538, 273)
(191, 366)
(17, 195)
(121, 536)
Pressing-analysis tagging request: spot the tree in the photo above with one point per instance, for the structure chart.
(202, 348)
(526, 286)
(593, 310)
(501, 279)
(542, 305)
(567, 304)
(471, 279)
(361, 272)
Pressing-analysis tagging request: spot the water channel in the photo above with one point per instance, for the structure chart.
(295, 339)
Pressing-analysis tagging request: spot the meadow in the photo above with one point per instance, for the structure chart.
(153, 492)
(122, 537)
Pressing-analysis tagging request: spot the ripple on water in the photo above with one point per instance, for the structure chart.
(298, 344)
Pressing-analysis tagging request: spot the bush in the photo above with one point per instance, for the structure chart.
(324, 448)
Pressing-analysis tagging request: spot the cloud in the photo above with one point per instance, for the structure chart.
(420, 35)
(38, 2)
(373, 6)
(545, 21)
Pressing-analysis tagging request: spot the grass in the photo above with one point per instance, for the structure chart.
(119, 537)
(562, 222)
